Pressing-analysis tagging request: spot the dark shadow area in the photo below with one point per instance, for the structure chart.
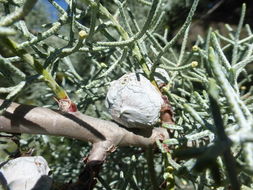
(3, 180)
(17, 118)
(82, 123)
(209, 12)
(20, 112)
(87, 178)
(145, 132)
(5, 104)
(43, 183)
(227, 11)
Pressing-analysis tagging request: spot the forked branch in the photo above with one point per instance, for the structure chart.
(38, 120)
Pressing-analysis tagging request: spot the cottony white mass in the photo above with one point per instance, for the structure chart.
(133, 101)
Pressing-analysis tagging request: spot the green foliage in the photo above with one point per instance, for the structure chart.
(211, 141)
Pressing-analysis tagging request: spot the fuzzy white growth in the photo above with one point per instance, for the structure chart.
(23, 173)
(133, 101)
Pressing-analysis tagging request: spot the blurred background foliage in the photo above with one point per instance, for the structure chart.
(80, 75)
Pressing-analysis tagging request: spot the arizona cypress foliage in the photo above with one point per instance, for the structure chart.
(92, 43)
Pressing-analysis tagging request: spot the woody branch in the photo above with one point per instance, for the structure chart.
(38, 120)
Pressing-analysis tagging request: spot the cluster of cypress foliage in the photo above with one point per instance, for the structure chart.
(211, 140)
